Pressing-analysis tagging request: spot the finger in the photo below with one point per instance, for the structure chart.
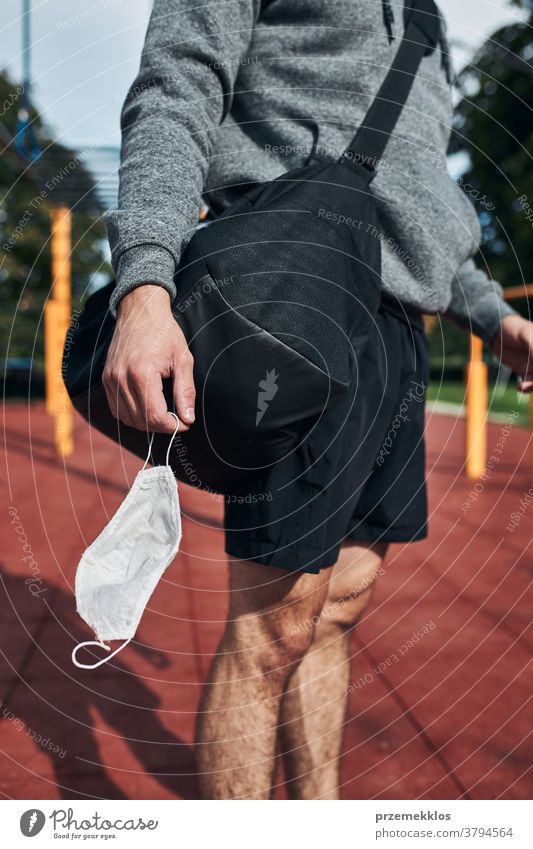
(139, 409)
(520, 364)
(526, 334)
(525, 351)
(184, 390)
(524, 385)
(119, 397)
(151, 413)
(130, 404)
(119, 409)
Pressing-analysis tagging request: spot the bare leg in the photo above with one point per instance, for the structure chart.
(270, 627)
(314, 705)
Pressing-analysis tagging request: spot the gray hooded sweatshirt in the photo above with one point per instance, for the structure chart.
(233, 91)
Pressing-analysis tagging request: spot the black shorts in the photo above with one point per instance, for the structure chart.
(360, 471)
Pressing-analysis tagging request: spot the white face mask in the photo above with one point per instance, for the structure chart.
(118, 573)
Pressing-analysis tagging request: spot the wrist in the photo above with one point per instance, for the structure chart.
(146, 297)
(145, 266)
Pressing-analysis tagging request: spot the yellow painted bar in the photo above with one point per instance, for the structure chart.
(511, 293)
(60, 249)
(57, 320)
(477, 399)
(64, 419)
(51, 347)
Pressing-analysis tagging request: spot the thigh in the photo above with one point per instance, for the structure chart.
(359, 566)
(279, 602)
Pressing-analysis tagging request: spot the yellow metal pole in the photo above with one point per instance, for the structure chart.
(60, 247)
(51, 346)
(57, 319)
(477, 398)
(64, 419)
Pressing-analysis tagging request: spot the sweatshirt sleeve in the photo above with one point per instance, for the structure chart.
(181, 95)
(477, 303)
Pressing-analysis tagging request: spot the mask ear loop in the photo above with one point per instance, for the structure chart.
(149, 452)
(99, 662)
(173, 437)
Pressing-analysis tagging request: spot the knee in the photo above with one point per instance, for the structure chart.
(284, 647)
(352, 585)
(346, 610)
(276, 647)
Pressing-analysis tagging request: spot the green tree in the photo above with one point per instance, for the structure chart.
(493, 126)
(59, 176)
(493, 131)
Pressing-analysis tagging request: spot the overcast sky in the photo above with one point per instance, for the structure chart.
(86, 53)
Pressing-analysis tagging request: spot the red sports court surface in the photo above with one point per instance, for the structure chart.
(443, 715)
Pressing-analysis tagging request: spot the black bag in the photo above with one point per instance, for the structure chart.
(276, 298)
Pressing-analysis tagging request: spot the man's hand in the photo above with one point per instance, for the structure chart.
(147, 346)
(513, 344)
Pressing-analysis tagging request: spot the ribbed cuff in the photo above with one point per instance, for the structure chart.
(139, 265)
(486, 318)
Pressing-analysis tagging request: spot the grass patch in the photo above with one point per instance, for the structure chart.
(501, 400)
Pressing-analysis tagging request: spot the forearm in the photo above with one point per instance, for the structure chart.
(477, 302)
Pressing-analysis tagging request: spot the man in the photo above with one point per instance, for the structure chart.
(230, 93)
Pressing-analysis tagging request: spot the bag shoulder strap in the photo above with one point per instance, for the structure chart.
(422, 33)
